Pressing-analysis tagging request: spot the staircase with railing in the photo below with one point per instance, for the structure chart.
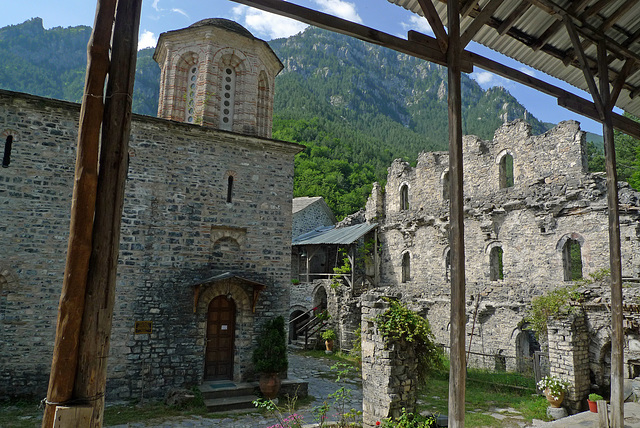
(309, 329)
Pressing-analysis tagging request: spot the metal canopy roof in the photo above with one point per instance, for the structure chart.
(533, 33)
(330, 235)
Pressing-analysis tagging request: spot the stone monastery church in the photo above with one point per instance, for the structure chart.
(206, 228)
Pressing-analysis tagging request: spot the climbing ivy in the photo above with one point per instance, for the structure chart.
(399, 323)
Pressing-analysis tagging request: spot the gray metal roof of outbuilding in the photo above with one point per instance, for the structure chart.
(330, 235)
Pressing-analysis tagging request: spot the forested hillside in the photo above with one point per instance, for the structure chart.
(355, 106)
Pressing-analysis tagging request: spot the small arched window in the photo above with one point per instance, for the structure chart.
(229, 189)
(495, 264)
(506, 171)
(6, 159)
(404, 197)
(227, 95)
(406, 267)
(572, 260)
(190, 105)
(263, 105)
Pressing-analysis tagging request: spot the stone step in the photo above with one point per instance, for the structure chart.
(224, 389)
(225, 404)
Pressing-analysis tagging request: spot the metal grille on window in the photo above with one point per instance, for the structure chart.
(191, 94)
(228, 94)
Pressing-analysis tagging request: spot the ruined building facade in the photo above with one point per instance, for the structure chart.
(535, 220)
(206, 228)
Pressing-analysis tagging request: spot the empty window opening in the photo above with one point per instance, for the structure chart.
(227, 98)
(572, 260)
(495, 264)
(506, 171)
(263, 105)
(406, 267)
(190, 105)
(6, 159)
(447, 266)
(404, 197)
(229, 188)
(445, 186)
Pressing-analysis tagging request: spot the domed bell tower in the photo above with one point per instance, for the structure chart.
(216, 74)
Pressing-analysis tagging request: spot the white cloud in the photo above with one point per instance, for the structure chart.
(417, 23)
(147, 40)
(484, 78)
(180, 11)
(155, 5)
(527, 70)
(339, 8)
(267, 25)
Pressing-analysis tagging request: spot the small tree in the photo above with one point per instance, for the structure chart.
(270, 356)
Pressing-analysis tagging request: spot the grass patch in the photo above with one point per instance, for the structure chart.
(336, 356)
(20, 414)
(485, 392)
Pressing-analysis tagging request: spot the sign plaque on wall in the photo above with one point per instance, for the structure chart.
(143, 327)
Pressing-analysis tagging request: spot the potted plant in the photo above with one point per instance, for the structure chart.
(270, 357)
(329, 336)
(593, 402)
(554, 389)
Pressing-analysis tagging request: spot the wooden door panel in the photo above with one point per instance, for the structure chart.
(220, 339)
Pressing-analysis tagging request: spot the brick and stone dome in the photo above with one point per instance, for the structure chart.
(215, 73)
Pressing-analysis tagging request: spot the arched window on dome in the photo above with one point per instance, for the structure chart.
(190, 100)
(227, 95)
(263, 105)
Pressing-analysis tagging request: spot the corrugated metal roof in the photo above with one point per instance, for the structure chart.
(535, 21)
(329, 235)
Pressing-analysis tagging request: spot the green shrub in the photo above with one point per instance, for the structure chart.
(270, 356)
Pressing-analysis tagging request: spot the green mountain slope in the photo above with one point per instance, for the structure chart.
(354, 105)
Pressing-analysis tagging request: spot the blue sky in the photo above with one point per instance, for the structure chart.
(165, 15)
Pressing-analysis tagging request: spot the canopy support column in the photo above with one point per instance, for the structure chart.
(456, 222)
(617, 351)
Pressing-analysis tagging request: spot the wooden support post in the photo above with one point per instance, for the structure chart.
(617, 339)
(91, 374)
(72, 297)
(72, 417)
(456, 222)
(603, 414)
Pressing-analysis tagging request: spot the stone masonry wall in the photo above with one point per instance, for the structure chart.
(569, 357)
(175, 216)
(389, 371)
(310, 218)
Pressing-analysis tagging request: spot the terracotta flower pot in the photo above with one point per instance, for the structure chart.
(270, 385)
(552, 401)
(328, 345)
(593, 406)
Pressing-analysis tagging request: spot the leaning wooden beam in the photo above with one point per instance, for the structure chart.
(96, 323)
(556, 25)
(615, 16)
(617, 335)
(430, 12)
(622, 77)
(480, 20)
(72, 298)
(457, 337)
(342, 26)
(586, 70)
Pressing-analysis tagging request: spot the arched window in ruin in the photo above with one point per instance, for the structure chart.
(445, 185)
(404, 197)
(406, 267)
(506, 170)
(495, 264)
(227, 95)
(320, 300)
(190, 100)
(572, 260)
(263, 105)
(447, 264)
(526, 347)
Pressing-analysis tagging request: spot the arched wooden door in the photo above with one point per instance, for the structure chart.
(221, 319)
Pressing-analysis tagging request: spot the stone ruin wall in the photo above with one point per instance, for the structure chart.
(552, 199)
